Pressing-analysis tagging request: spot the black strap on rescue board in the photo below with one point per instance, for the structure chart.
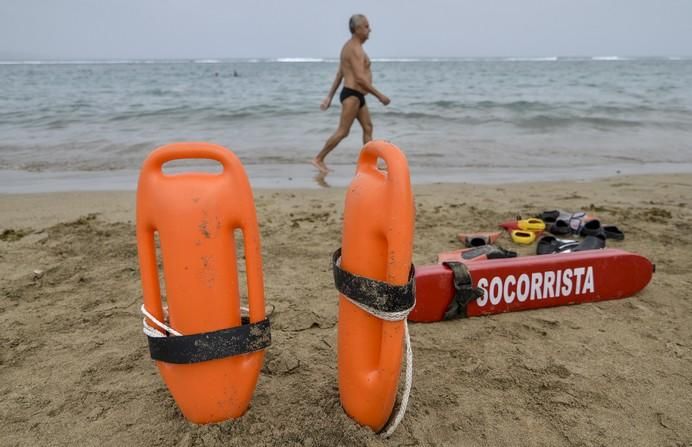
(464, 291)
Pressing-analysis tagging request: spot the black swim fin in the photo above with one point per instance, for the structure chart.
(591, 228)
(613, 232)
(550, 244)
(488, 252)
(591, 243)
(560, 227)
(550, 216)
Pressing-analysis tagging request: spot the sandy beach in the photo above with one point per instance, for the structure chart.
(75, 367)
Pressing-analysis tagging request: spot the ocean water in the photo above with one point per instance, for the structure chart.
(90, 124)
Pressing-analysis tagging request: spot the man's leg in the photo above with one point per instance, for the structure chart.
(365, 122)
(349, 110)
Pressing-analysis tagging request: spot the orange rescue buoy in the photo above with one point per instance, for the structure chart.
(212, 367)
(377, 245)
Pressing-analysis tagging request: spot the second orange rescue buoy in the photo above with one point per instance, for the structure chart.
(374, 277)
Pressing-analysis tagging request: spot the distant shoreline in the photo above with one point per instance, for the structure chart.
(298, 176)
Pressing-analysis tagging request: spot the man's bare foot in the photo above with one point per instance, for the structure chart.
(320, 165)
(320, 178)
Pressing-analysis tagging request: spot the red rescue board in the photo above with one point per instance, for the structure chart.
(533, 282)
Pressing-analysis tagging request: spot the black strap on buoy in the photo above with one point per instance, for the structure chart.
(248, 337)
(464, 291)
(374, 294)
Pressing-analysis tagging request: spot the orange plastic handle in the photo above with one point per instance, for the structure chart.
(195, 215)
(192, 150)
(377, 243)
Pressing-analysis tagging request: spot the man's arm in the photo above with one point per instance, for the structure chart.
(335, 85)
(357, 59)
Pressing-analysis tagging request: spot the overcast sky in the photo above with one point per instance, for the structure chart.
(143, 29)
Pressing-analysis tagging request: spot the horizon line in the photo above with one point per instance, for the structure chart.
(330, 59)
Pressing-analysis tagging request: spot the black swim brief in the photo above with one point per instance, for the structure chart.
(346, 92)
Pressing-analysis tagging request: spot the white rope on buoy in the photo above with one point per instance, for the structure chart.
(154, 332)
(395, 316)
(389, 429)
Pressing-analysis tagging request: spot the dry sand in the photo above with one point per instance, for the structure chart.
(75, 369)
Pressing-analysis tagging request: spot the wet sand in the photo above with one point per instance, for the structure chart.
(75, 368)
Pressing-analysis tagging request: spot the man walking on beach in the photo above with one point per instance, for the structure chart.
(354, 70)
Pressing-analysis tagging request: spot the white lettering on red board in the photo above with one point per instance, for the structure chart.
(536, 286)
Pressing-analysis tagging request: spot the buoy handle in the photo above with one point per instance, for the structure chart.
(190, 150)
(397, 173)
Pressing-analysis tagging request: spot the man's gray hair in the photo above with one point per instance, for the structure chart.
(354, 21)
